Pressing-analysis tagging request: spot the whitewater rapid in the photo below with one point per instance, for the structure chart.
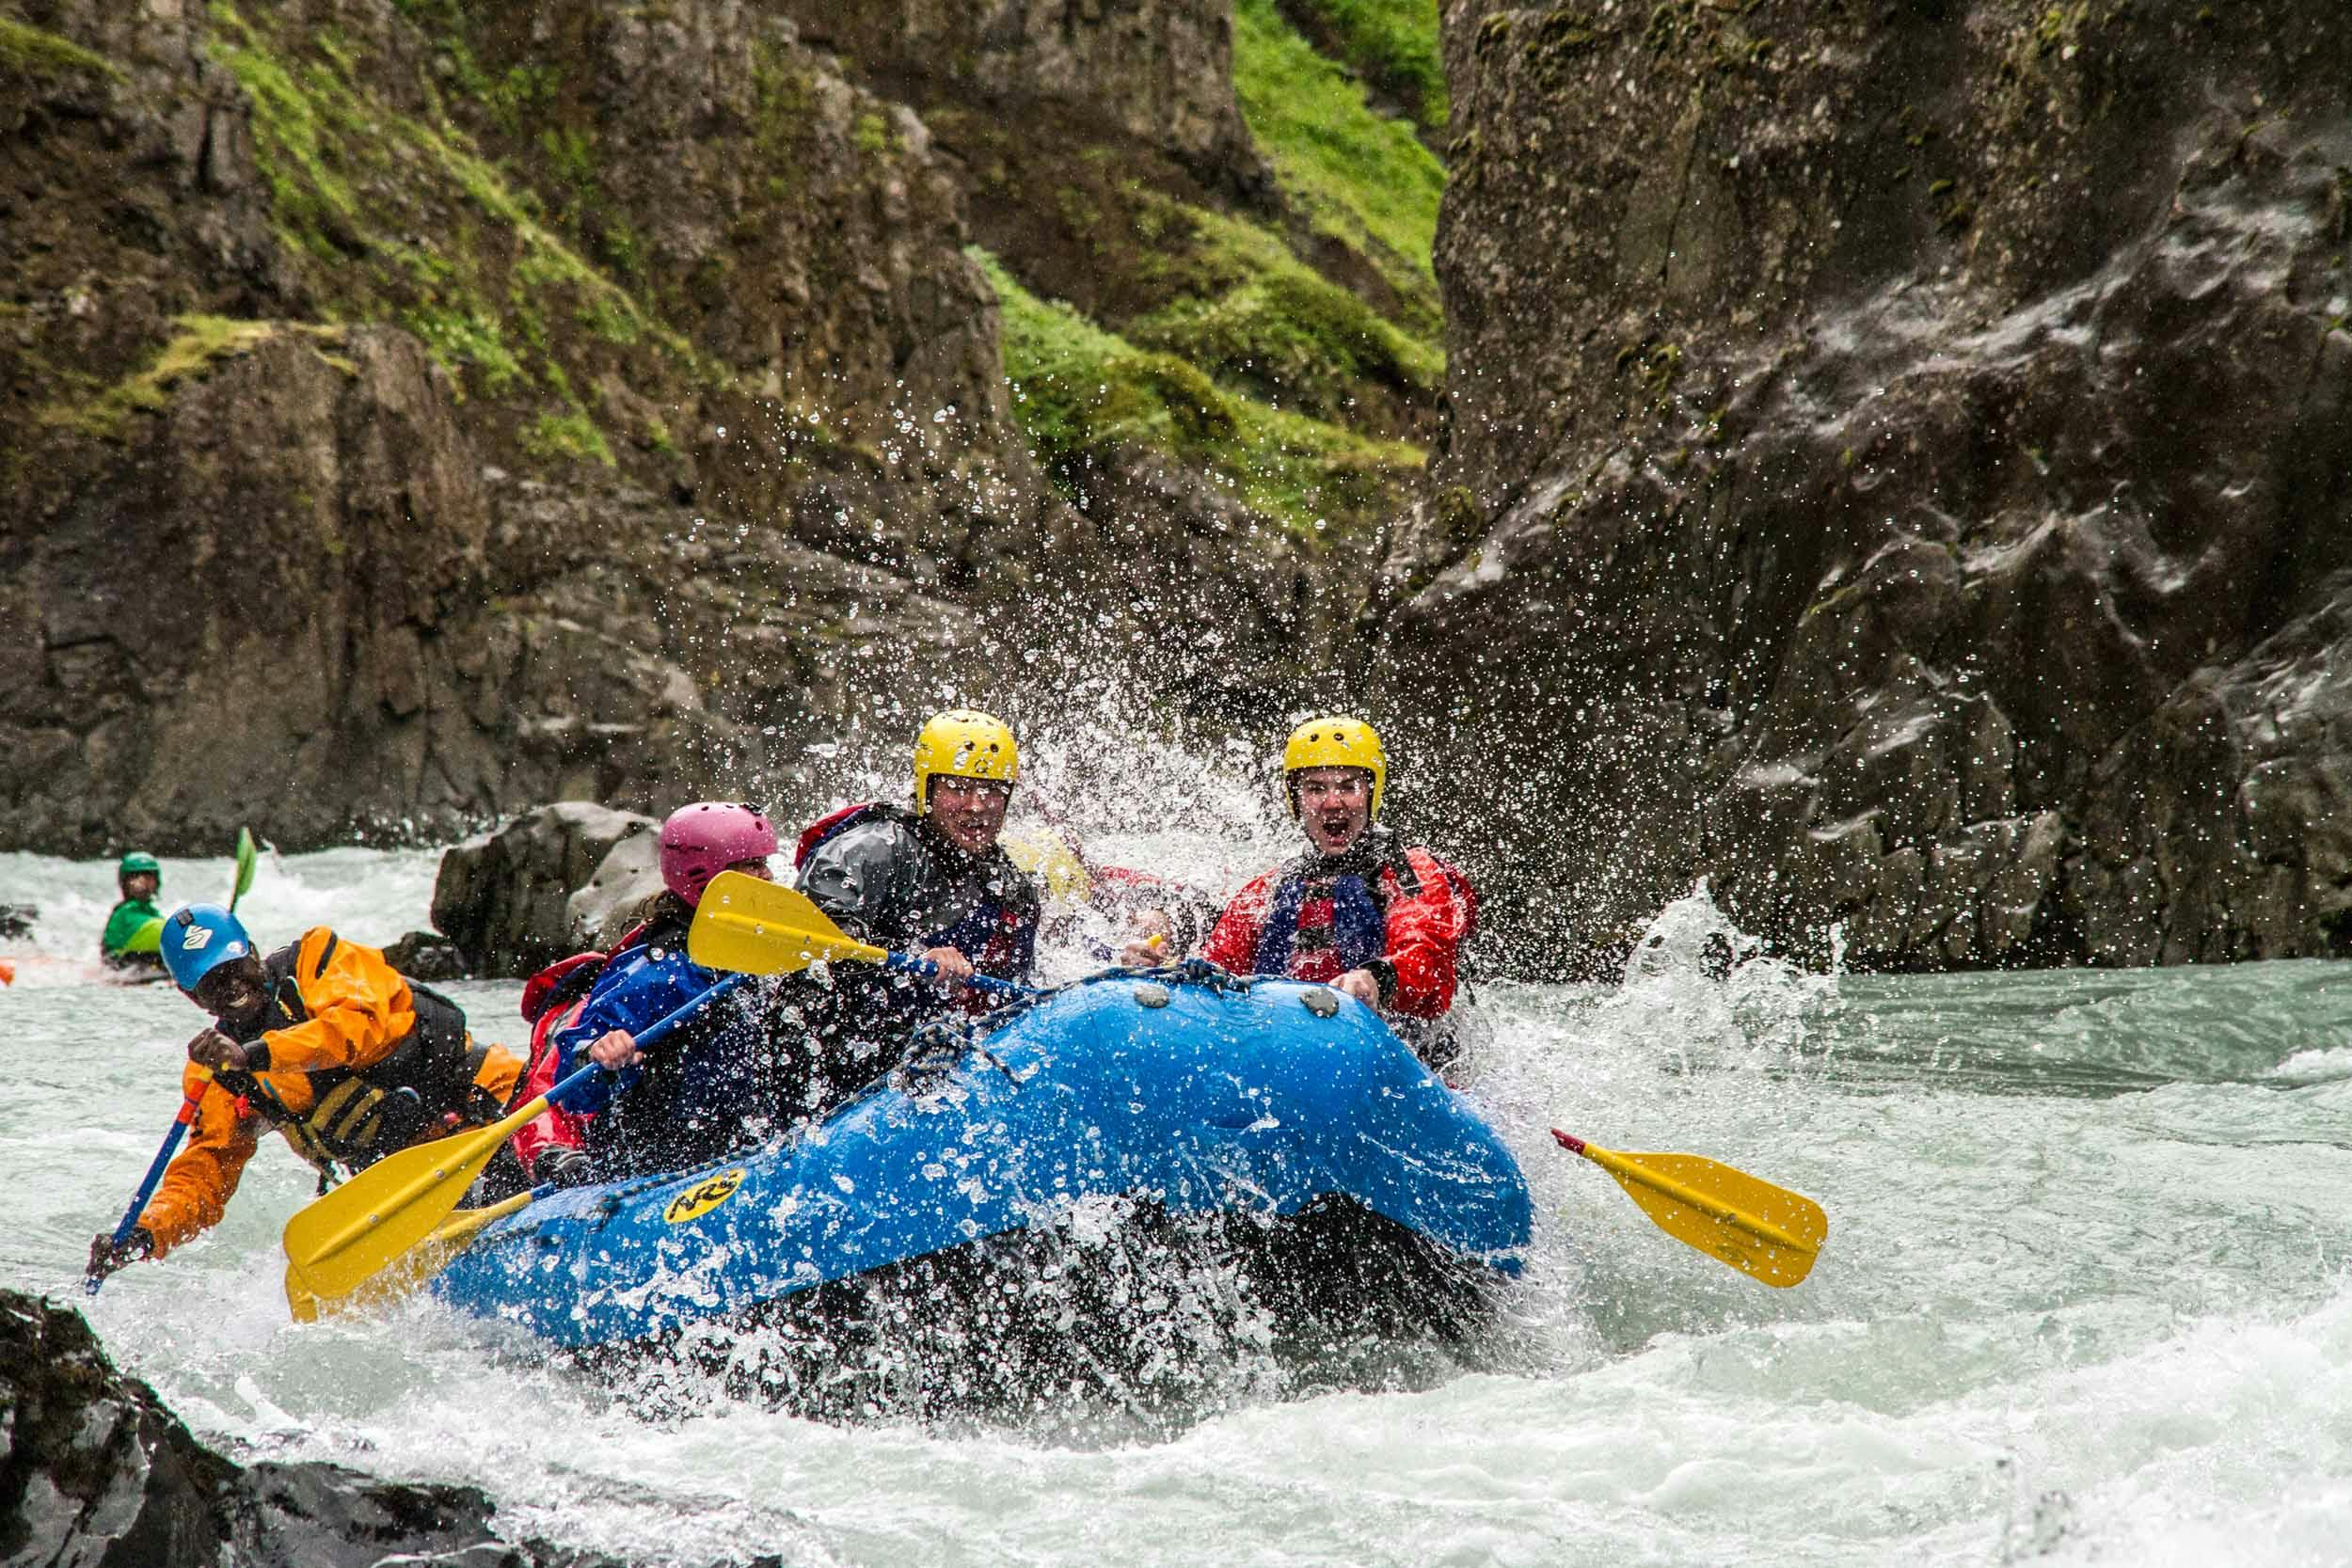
(2085, 1296)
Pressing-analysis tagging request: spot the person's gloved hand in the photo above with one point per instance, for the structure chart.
(105, 1257)
(212, 1049)
(565, 1167)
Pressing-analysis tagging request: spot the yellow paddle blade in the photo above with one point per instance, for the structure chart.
(747, 924)
(371, 1220)
(404, 1272)
(1766, 1232)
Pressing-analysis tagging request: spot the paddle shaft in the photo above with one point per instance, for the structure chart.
(929, 970)
(1715, 1208)
(154, 1174)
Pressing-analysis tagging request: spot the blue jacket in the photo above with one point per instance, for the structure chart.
(641, 985)
(724, 1080)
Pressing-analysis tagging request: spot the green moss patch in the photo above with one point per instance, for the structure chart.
(1392, 44)
(574, 436)
(1078, 391)
(198, 343)
(28, 51)
(1363, 179)
(1255, 317)
(407, 219)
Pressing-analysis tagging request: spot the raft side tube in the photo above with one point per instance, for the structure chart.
(1217, 1101)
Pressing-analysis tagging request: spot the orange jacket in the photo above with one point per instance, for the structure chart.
(360, 1010)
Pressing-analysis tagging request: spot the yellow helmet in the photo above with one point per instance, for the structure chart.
(962, 744)
(1334, 743)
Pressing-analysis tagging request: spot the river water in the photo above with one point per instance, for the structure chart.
(2085, 1297)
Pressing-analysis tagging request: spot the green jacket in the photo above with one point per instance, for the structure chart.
(124, 924)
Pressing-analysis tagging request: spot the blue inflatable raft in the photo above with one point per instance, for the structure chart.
(1269, 1104)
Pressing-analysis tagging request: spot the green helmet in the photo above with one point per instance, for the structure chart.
(136, 861)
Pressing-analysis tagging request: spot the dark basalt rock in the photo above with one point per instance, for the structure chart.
(502, 898)
(1895, 471)
(95, 1472)
(612, 903)
(641, 496)
(16, 921)
(426, 956)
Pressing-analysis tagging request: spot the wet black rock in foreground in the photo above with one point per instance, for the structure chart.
(95, 1472)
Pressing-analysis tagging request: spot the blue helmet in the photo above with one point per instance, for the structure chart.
(198, 939)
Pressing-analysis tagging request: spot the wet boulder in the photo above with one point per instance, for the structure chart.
(615, 897)
(95, 1471)
(426, 956)
(502, 898)
(1894, 473)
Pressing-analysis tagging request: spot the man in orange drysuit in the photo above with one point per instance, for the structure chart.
(323, 1040)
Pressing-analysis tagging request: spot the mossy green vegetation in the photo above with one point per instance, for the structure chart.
(310, 199)
(573, 434)
(1392, 44)
(466, 336)
(29, 51)
(407, 219)
(1078, 391)
(1292, 358)
(198, 343)
(1366, 179)
(1254, 316)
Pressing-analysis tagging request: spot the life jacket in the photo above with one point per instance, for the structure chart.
(1358, 930)
(551, 1000)
(1356, 935)
(568, 980)
(356, 1116)
(835, 823)
(992, 929)
(991, 934)
(559, 983)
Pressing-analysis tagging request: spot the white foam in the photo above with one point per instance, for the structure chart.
(2327, 1065)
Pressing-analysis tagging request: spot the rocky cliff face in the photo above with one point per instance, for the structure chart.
(1157, 71)
(1894, 471)
(411, 412)
(265, 565)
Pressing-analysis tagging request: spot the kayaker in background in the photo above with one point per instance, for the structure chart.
(323, 1040)
(1358, 911)
(735, 1074)
(135, 924)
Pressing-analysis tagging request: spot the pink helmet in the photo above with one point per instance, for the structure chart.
(704, 839)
